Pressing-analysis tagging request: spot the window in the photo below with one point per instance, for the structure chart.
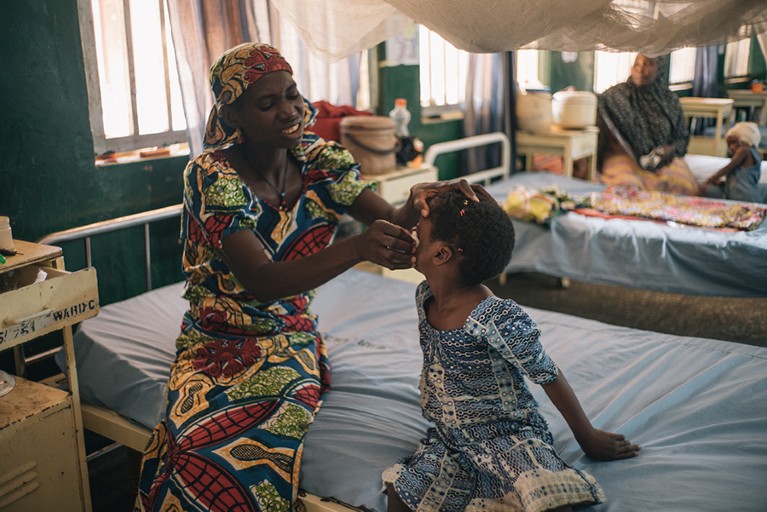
(135, 98)
(736, 58)
(443, 73)
(682, 66)
(528, 70)
(611, 68)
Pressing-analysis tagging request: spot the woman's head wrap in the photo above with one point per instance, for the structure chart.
(230, 76)
(746, 132)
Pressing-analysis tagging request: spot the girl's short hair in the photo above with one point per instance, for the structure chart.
(480, 232)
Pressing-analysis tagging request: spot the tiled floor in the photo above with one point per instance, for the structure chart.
(113, 475)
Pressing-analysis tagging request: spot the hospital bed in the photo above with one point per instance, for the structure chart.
(641, 254)
(697, 406)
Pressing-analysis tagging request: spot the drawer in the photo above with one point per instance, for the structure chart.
(30, 309)
(396, 190)
(38, 449)
(584, 146)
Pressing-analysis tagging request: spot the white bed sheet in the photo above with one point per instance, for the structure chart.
(638, 254)
(698, 407)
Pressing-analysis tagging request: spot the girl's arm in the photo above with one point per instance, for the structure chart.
(737, 159)
(598, 444)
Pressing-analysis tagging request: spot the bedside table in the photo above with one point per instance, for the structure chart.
(41, 429)
(569, 144)
(394, 186)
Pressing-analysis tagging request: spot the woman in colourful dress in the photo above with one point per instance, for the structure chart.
(643, 134)
(261, 206)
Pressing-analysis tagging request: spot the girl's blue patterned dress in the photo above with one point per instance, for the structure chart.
(490, 448)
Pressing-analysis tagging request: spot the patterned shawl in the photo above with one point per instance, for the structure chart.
(646, 116)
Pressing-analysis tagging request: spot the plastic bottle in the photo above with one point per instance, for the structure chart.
(401, 117)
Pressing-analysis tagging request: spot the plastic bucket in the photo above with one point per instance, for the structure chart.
(372, 142)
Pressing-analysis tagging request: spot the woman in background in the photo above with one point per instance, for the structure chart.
(261, 206)
(643, 133)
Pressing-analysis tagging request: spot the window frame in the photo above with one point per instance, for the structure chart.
(435, 109)
(679, 84)
(618, 66)
(136, 141)
(735, 48)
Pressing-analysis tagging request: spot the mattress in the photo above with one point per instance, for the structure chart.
(697, 406)
(640, 254)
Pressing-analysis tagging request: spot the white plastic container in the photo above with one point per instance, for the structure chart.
(534, 111)
(574, 109)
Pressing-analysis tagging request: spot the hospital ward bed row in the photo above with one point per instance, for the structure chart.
(664, 257)
(697, 406)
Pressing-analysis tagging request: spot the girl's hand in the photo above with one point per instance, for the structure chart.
(421, 193)
(386, 244)
(602, 445)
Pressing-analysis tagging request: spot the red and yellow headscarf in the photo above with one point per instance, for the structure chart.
(231, 75)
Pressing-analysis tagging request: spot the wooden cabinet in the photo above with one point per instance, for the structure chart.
(41, 431)
(571, 145)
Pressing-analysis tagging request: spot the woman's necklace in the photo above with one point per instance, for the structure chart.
(282, 204)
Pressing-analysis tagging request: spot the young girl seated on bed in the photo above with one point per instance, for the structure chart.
(743, 171)
(490, 448)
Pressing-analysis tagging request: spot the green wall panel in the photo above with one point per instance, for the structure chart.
(578, 73)
(49, 180)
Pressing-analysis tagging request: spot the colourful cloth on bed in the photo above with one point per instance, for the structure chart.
(539, 206)
(248, 376)
(490, 449)
(693, 211)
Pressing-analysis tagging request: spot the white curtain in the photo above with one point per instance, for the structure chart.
(652, 27)
(203, 30)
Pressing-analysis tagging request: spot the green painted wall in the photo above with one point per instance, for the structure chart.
(49, 180)
(578, 73)
(757, 67)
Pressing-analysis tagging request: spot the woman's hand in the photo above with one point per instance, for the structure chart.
(602, 445)
(386, 244)
(667, 154)
(421, 193)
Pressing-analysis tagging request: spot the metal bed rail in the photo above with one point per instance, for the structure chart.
(110, 225)
(85, 233)
(486, 176)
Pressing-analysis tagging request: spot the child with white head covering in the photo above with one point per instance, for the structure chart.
(744, 169)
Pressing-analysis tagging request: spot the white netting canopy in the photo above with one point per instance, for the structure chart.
(338, 28)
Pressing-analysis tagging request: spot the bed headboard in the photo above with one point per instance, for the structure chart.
(476, 141)
(88, 231)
